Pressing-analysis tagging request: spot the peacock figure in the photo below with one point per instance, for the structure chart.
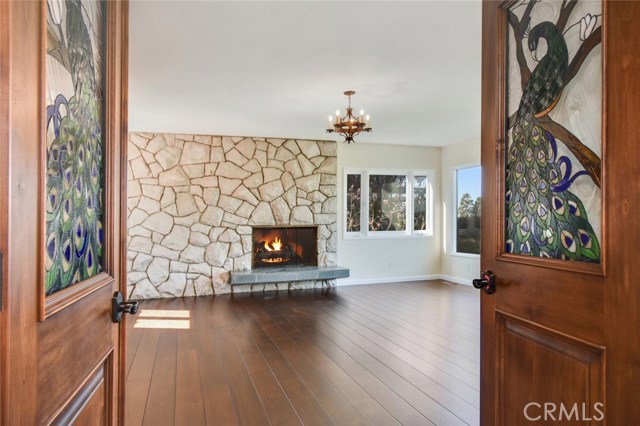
(544, 218)
(74, 181)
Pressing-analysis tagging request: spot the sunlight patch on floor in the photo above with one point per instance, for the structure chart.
(164, 313)
(163, 319)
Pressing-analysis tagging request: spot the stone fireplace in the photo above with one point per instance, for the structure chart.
(284, 246)
(194, 202)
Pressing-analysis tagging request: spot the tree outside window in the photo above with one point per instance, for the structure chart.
(354, 199)
(420, 215)
(468, 210)
(387, 203)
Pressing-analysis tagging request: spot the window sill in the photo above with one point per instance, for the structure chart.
(467, 255)
(385, 236)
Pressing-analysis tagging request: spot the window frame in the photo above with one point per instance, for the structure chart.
(364, 232)
(454, 216)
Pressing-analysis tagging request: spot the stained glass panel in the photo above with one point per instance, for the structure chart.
(554, 109)
(74, 203)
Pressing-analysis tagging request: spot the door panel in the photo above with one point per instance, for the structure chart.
(94, 413)
(557, 331)
(528, 352)
(82, 319)
(90, 404)
(62, 351)
(545, 295)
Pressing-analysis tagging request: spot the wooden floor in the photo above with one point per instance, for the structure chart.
(388, 354)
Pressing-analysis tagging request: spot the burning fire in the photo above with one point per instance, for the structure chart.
(276, 245)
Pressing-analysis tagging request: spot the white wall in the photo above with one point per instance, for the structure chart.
(458, 268)
(389, 259)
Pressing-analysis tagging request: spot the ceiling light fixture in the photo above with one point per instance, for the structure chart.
(349, 125)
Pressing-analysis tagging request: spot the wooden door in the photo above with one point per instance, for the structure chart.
(560, 337)
(61, 353)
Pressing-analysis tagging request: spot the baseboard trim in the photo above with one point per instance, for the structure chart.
(384, 280)
(455, 280)
(401, 279)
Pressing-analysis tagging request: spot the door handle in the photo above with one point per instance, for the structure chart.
(487, 282)
(119, 307)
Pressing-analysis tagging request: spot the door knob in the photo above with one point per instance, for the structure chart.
(487, 282)
(119, 307)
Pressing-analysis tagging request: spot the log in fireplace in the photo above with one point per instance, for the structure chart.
(283, 246)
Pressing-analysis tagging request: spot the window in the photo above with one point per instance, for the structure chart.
(354, 200)
(420, 203)
(468, 202)
(385, 203)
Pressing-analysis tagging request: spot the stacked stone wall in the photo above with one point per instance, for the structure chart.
(192, 200)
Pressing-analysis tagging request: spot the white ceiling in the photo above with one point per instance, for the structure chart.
(266, 68)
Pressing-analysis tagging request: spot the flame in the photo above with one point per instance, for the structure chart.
(276, 244)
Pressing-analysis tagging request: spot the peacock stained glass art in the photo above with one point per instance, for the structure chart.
(554, 116)
(74, 200)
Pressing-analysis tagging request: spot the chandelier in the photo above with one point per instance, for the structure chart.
(349, 125)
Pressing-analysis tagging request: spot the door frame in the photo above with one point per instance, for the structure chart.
(5, 10)
(123, 34)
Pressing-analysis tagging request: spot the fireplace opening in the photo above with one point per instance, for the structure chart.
(283, 246)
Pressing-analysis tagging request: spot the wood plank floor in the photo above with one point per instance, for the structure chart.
(387, 354)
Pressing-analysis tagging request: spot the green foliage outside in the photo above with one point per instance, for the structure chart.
(354, 199)
(468, 225)
(387, 203)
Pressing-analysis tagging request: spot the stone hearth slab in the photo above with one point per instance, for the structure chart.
(296, 273)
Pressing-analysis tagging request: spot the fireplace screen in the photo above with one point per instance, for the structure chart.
(284, 246)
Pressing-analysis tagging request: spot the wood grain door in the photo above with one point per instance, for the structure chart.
(62, 216)
(560, 337)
